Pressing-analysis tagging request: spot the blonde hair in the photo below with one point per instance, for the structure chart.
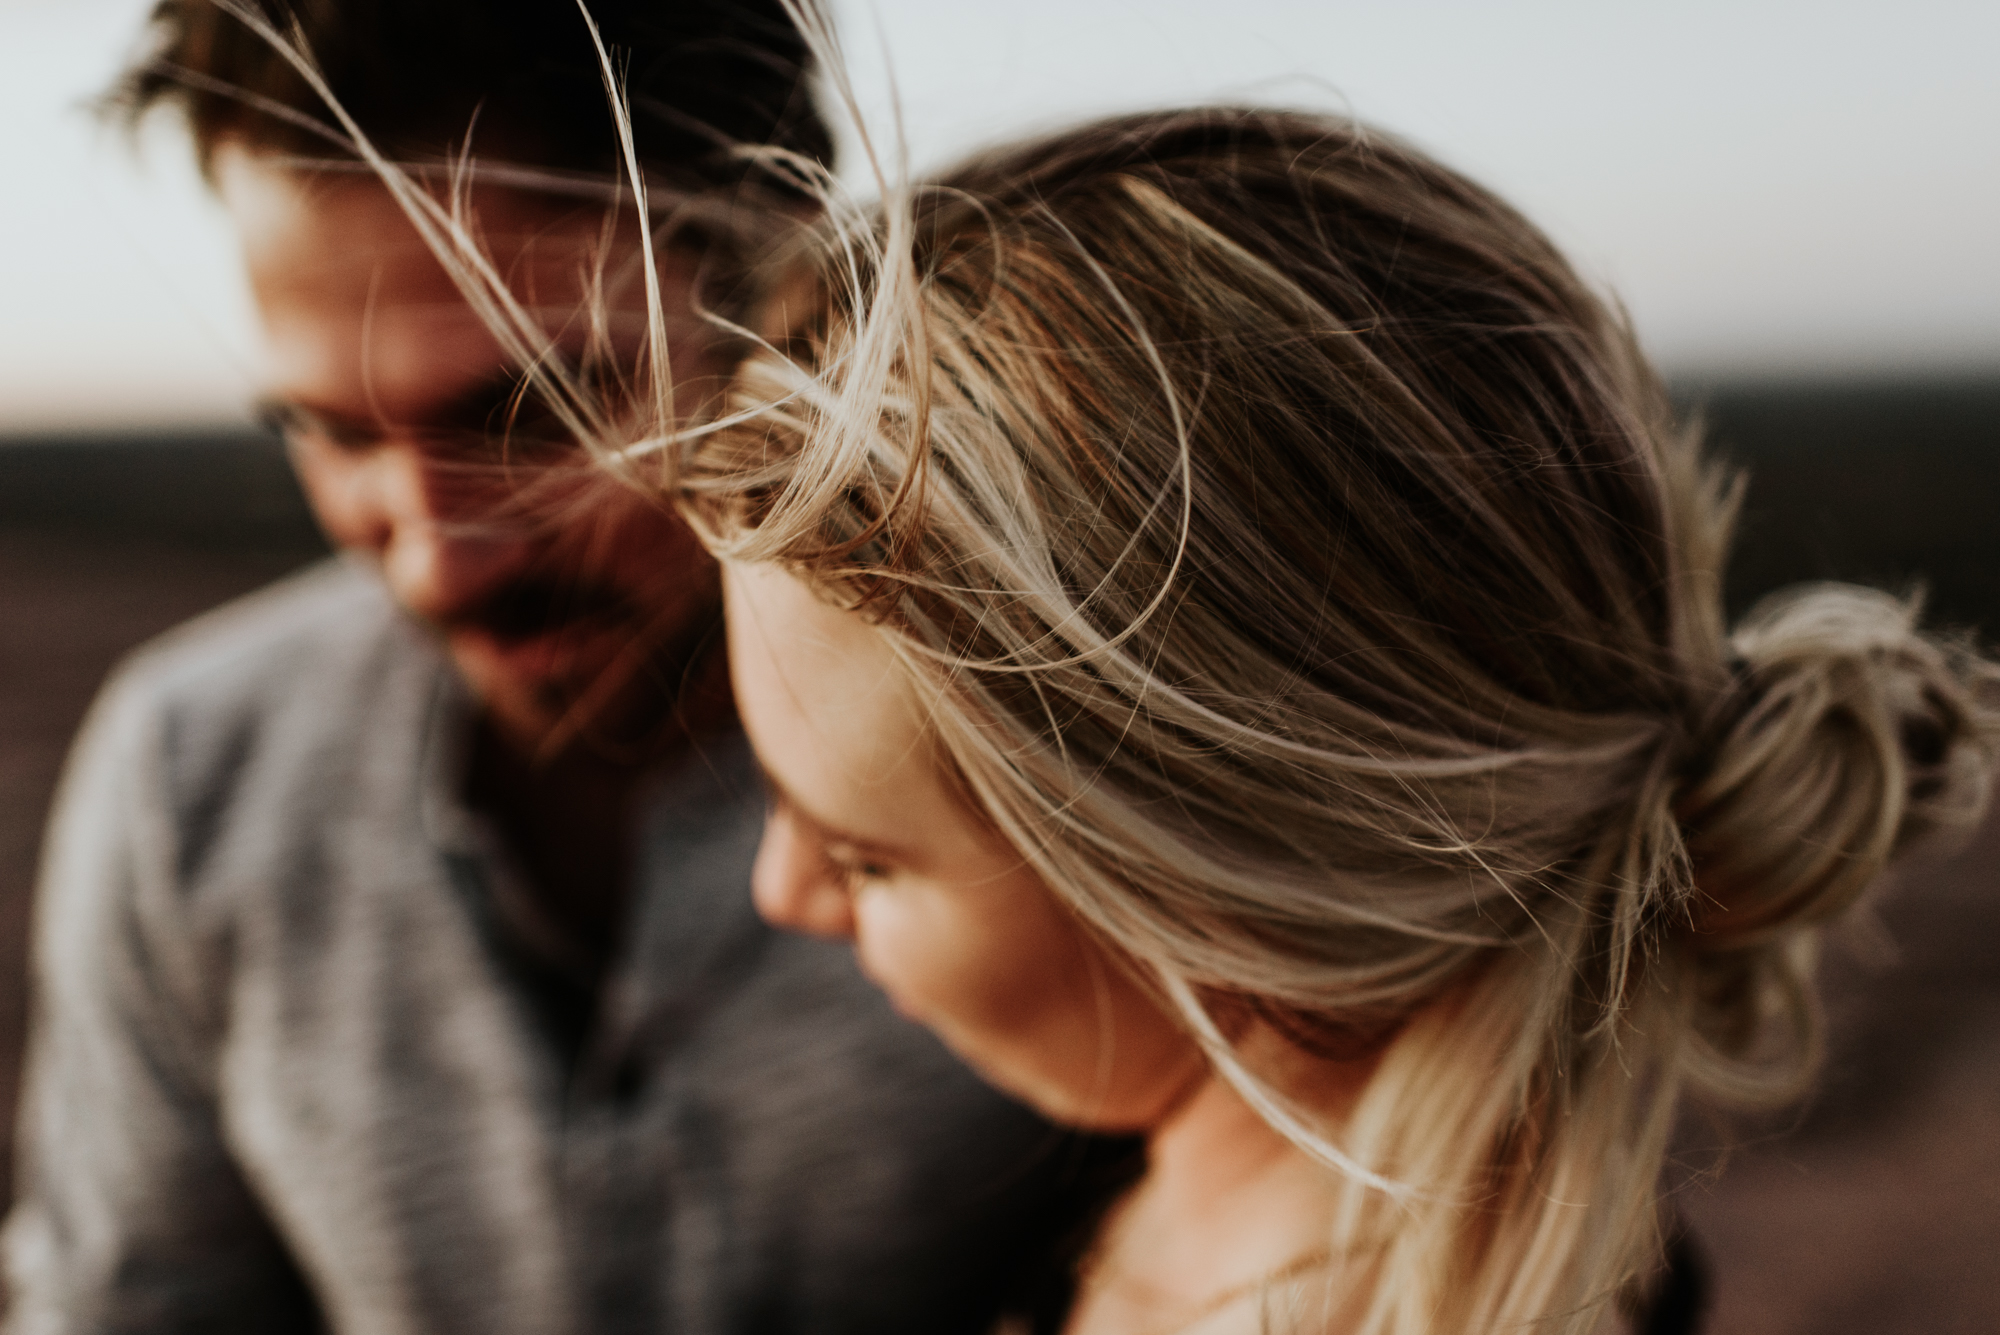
(1305, 571)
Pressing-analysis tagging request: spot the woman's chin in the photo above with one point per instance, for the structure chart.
(1041, 1091)
(1066, 1072)
(1083, 1104)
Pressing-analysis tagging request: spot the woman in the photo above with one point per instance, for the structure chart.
(1236, 639)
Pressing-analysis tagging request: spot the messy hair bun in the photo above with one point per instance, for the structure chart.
(1845, 735)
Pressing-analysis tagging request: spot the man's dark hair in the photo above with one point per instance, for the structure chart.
(701, 75)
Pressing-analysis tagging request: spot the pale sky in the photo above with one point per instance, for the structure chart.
(1770, 185)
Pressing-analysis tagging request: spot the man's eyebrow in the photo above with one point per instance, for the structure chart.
(474, 407)
(488, 405)
(279, 412)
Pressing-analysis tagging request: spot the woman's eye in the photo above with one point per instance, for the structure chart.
(856, 871)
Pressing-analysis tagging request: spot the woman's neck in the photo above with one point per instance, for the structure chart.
(1226, 1202)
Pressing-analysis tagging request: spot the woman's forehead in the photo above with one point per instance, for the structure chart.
(826, 702)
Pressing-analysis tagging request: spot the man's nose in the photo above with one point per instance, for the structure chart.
(441, 528)
(794, 887)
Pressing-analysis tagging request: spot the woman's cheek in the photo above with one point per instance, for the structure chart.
(894, 950)
(937, 967)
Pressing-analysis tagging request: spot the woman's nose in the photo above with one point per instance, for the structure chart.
(793, 885)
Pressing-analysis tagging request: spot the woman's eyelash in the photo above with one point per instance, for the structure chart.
(851, 868)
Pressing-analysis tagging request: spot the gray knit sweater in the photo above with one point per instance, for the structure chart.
(296, 1066)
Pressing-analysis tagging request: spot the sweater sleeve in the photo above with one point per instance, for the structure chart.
(131, 1213)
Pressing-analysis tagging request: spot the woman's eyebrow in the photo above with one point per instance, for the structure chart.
(825, 829)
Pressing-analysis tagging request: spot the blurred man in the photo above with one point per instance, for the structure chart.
(397, 967)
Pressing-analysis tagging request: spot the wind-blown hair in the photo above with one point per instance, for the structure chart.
(1304, 569)
(518, 79)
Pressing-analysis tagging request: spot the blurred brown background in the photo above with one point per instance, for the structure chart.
(1873, 1208)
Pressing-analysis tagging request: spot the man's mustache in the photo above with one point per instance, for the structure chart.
(526, 608)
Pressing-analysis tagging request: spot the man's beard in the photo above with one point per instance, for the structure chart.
(532, 606)
(638, 666)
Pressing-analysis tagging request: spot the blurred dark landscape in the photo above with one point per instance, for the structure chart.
(1874, 1208)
